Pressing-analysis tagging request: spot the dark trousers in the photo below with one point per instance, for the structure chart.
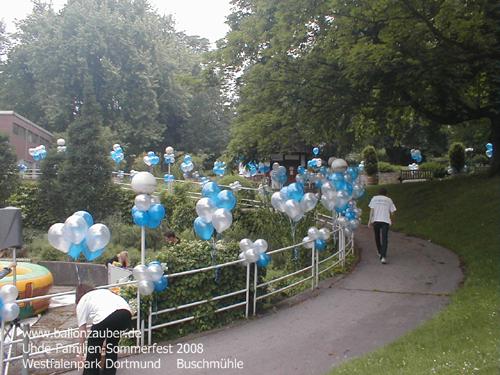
(109, 329)
(381, 230)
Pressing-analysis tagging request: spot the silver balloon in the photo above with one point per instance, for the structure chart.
(260, 246)
(251, 255)
(155, 271)
(75, 229)
(57, 239)
(277, 201)
(143, 202)
(205, 209)
(293, 210)
(143, 183)
(313, 233)
(222, 219)
(98, 237)
(10, 312)
(276, 167)
(353, 224)
(308, 202)
(306, 243)
(327, 203)
(246, 244)
(8, 293)
(141, 272)
(146, 287)
(339, 165)
(324, 234)
(169, 150)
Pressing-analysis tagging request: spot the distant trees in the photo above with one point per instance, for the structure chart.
(9, 176)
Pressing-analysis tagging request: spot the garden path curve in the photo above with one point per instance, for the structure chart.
(344, 318)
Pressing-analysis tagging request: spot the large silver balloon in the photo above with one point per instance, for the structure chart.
(251, 255)
(306, 243)
(56, 238)
(156, 271)
(75, 229)
(98, 237)
(141, 272)
(327, 203)
(308, 202)
(146, 287)
(169, 150)
(246, 244)
(143, 202)
(9, 293)
(278, 202)
(260, 246)
(339, 165)
(10, 312)
(293, 210)
(313, 233)
(143, 183)
(324, 234)
(222, 219)
(205, 209)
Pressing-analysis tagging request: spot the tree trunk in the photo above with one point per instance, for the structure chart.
(495, 140)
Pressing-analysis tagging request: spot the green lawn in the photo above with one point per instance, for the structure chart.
(461, 214)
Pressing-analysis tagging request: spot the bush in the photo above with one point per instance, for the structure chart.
(180, 207)
(480, 159)
(457, 156)
(27, 198)
(371, 160)
(385, 167)
(438, 170)
(9, 176)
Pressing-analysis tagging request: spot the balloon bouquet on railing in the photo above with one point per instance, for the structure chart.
(150, 278)
(9, 309)
(214, 215)
(489, 150)
(219, 168)
(151, 160)
(416, 155)
(117, 156)
(317, 238)
(187, 166)
(61, 145)
(254, 252)
(169, 160)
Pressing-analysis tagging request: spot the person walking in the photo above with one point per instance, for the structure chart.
(109, 314)
(381, 209)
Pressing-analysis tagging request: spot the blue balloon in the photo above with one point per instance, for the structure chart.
(187, 159)
(341, 210)
(318, 184)
(353, 172)
(203, 229)
(156, 212)
(312, 164)
(161, 284)
(295, 191)
(316, 151)
(154, 262)
(319, 244)
(210, 189)
(340, 185)
(153, 224)
(489, 146)
(87, 217)
(169, 159)
(1, 306)
(140, 218)
(263, 260)
(336, 176)
(226, 199)
(154, 160)
(168, 177)
(92, 255)
(76, 249)
(301, 169)
(350, 214)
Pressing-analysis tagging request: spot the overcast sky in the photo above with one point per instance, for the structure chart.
(196, 17)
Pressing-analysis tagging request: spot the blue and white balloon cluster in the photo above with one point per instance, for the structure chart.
(316, 237)
(278, 174)
(169, 157)
(150, 278)
(117, 154)
(61, 145)
(168, 178)
(254, 252)
(79, 235)
(9, 309)
(214, 210)
(146, 212)
(292, 201)
(416, 155)
(219, 168)
(38, 153)
(187, 165)
(151, 159)
(489, 150)
(22, 168)
(264, 167)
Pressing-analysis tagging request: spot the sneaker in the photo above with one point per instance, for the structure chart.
(382, 260)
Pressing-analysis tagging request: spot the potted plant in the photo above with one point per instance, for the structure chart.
(371, 165)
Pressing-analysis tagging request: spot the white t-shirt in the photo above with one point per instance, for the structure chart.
(382, 207)
(97, 305)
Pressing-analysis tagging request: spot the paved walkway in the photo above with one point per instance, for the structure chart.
(371, 307)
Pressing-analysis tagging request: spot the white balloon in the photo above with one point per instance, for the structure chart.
(293, 210)
(61, 142)
(246, 244)
(313, 233)
(205, 208)
(169, 150)
(98, 237)
(75, 229)
(142, 202)
(277, 201)
(10, 312)
(141, 272)
(324, 234)
(9, 293)
(146, 287)
(306, 243)
(57, 239)
(339, 165)
(143, 182)
(260, 246)
(222, 219)
(327, 203)
(156, 271)
(251, 255)
(308, 202)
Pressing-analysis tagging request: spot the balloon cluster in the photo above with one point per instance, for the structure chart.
(413, 167)
(169, 156)
(314, 163)
(350, 222)
(187, 164)
(214, 210)
(343, 185)
(252, 252)
(79, 235)
(293, 202)
(61, 145)
(219, 168)
(316, 237)
(117, 154)
(168, 178)
(38, 153)
(264, 167)
(278, 174)
(416, 155)
(22, 168)
(235, 186)
(9, 309)
(151, 159)
(146, 212)
(489, 150)
(150, 278)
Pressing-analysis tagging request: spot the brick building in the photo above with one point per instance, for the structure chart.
(23, 134)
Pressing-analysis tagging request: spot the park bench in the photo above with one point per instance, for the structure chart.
(415, 176)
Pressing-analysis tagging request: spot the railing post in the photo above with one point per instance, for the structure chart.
(2, 349)
(313, 266)
(26, 348)
(248, 292)
(255, 280)
(342, 246)
(150, 324)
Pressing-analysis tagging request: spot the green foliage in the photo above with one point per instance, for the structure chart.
(438, 170)
(480, 159)
(371, 161)
(385, 167)
(180, 207)
(51, 194)
(34, 214)
(9, 176)
(457, 156)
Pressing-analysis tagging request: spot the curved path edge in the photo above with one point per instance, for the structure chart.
(345, 318)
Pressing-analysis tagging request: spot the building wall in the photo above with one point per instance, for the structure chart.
(23, 134)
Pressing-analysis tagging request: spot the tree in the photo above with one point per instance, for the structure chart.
(9, 177)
